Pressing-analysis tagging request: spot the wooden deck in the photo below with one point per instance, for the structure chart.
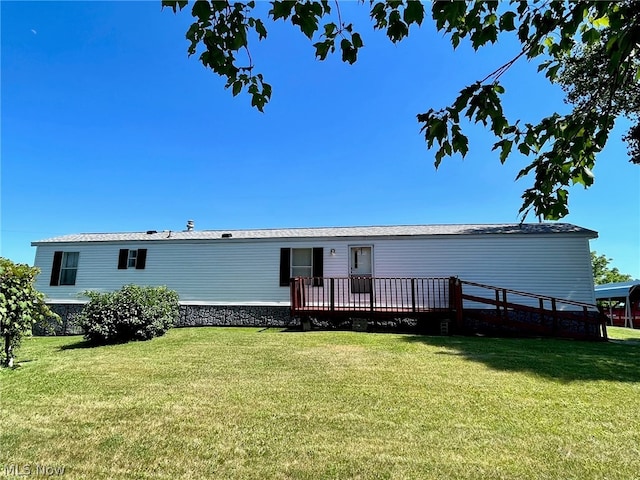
(469, 307)
(369, 296)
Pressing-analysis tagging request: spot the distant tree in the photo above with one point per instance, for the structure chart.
(21, 305)
(586, 79)
(603, 274)
(563, 147)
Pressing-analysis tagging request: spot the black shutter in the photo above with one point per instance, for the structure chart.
(55, 270)
(285, 266)
(318, 266)
(123, 258)
(141, 259)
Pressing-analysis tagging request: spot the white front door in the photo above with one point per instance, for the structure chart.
(361, 269)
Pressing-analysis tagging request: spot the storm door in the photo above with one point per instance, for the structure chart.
(361, 269)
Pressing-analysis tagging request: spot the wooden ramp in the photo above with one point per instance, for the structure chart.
(489, 309)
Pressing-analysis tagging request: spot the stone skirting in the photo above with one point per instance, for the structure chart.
(68, 324)
(189, 316)
(235, 316)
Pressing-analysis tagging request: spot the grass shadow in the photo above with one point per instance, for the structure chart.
(562, 360)
(80, 344)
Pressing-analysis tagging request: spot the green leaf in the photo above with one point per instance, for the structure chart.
(237, 87)
(330, 29)
(414, 12)
(591, 36)
(459, 142)
(260, 30)
(201, 9)
(524, 149)
(507, 23)
(322, 49)
(602, 22)
(280, 9)
(266, 91)
(552, 72)
(506, 150)
(436, 130)
(397, 29)
(349, 54)
(356, 40)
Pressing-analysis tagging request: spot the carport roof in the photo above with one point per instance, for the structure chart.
(616, 290)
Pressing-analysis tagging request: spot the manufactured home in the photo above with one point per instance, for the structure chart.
(268, 277)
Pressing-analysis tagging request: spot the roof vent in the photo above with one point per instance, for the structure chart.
(226, 235)
(151, 232)
(190, 225)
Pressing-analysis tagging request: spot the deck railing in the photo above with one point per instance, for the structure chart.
(369, 294)
(558, 312)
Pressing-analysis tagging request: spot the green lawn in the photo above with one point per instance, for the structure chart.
(245, 403)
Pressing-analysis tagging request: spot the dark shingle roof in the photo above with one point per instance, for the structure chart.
(327, 232)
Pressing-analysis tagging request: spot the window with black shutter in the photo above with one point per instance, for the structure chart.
(64, 269)
(301, 262)
(132, 258)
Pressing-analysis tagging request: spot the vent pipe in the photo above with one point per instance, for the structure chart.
(190, 225)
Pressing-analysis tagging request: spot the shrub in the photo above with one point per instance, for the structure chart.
(131, 313)
(21, 305)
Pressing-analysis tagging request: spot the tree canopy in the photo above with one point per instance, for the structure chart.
(602, 273)
(562, 148)
(586, 79)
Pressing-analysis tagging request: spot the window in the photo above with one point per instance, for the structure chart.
(301, 262)
(65, 268)
(130, 258)
(133, 255)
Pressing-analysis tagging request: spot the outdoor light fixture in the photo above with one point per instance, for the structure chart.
(333, 251)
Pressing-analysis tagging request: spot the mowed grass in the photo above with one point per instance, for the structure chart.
(245, 403)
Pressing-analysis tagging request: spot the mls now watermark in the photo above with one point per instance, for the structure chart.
(33, 469)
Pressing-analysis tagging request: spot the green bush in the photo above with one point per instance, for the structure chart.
(131, 313)
(21, 305)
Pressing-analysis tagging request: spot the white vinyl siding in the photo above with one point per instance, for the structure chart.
(243, 271)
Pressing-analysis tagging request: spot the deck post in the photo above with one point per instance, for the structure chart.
(413, 295)
(555, 315)
(505, 310)
(292, 293)
(452, 294)
(332, 297)
(541, 305)
(371, 302)
(455, 301)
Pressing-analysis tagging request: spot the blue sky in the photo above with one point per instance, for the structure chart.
(108, 126)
